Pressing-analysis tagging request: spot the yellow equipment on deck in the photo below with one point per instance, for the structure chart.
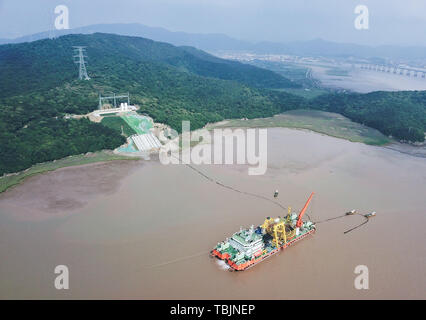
(276, 228)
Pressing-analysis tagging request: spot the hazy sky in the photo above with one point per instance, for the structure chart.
(391, 21)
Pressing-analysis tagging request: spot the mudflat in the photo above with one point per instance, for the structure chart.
(63, 191)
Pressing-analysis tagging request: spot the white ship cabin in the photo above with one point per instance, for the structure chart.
(247, 241)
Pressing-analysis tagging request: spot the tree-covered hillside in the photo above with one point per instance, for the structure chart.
(39, 85)
(399, 114)
(47, 63)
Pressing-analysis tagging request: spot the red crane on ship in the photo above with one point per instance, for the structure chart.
(302, 212)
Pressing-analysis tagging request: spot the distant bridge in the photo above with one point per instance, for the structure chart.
(409, 72)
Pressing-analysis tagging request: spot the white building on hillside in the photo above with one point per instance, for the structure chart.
(124, 107)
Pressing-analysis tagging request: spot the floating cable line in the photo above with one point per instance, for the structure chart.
(249, 194)
(356, 227)
(346, 215)
(330, 219)
(235, 189)
(270, 200)
(178, 260)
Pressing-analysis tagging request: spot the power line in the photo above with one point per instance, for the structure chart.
(80, 55)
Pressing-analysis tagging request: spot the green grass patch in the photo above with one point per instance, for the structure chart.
(117, 123)
(14, 179)
(138, 123)
(328, 123)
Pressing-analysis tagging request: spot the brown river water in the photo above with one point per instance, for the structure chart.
(143, 230)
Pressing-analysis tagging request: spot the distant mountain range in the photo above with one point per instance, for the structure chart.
(221, 42)
(200, 41)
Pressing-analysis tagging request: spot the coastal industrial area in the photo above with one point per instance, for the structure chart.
(143, 139)
(341, 73)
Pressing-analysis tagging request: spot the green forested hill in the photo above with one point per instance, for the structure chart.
(38, 82)
(401, 114)
(38, 87)
(46, 63)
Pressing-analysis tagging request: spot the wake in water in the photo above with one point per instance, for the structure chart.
(178, 260)
(222, 265)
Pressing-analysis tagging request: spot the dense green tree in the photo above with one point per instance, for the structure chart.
(399, 114)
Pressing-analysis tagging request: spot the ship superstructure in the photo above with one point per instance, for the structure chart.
(248, 247)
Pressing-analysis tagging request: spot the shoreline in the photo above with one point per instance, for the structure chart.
(321, 122)
(11, 180)
(404, 148)
(311, 130)
(62, 192)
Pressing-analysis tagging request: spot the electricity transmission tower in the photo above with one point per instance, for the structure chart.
(80, 55)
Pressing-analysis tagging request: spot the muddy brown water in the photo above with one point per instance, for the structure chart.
(142, 230)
